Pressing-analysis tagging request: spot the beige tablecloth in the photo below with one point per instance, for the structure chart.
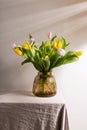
(23, 111)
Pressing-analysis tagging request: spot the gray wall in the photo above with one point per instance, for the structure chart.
(18, 18)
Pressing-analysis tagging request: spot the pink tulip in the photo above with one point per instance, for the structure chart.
(61, 52)
(50, 35)
(14, 45)
(32, 40)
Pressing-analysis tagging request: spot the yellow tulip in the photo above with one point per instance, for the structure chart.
(47, 43)
(46, 57)
(18, 51)
(26, 46)
(78, 53)
(57, 44)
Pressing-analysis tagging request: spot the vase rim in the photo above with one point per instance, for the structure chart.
(45, 73)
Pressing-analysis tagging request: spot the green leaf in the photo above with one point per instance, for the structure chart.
(69, 53)
(38, 66)
(54, 59)
(70, 59)
(46, 65)
(64, 43)
(25, 55)
(53, 38)
(37, 56)
(59, 62)
(26, 61)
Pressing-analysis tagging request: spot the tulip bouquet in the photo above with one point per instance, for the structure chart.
(50, 54)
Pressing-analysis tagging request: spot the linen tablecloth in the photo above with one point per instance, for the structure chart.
(23, 111)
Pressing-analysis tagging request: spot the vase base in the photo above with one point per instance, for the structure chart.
(44, 95)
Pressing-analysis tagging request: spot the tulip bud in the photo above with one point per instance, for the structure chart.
(50, 35)
(78, 53)
(32, 40)
(61, 52)
(14, 46)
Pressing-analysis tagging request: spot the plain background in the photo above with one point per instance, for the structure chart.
(66, 18)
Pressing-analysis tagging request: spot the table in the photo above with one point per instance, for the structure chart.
(21, 110)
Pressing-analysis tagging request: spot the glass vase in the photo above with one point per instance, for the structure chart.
(44, 85)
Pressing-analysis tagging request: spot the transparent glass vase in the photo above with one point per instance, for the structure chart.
(44, 85)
